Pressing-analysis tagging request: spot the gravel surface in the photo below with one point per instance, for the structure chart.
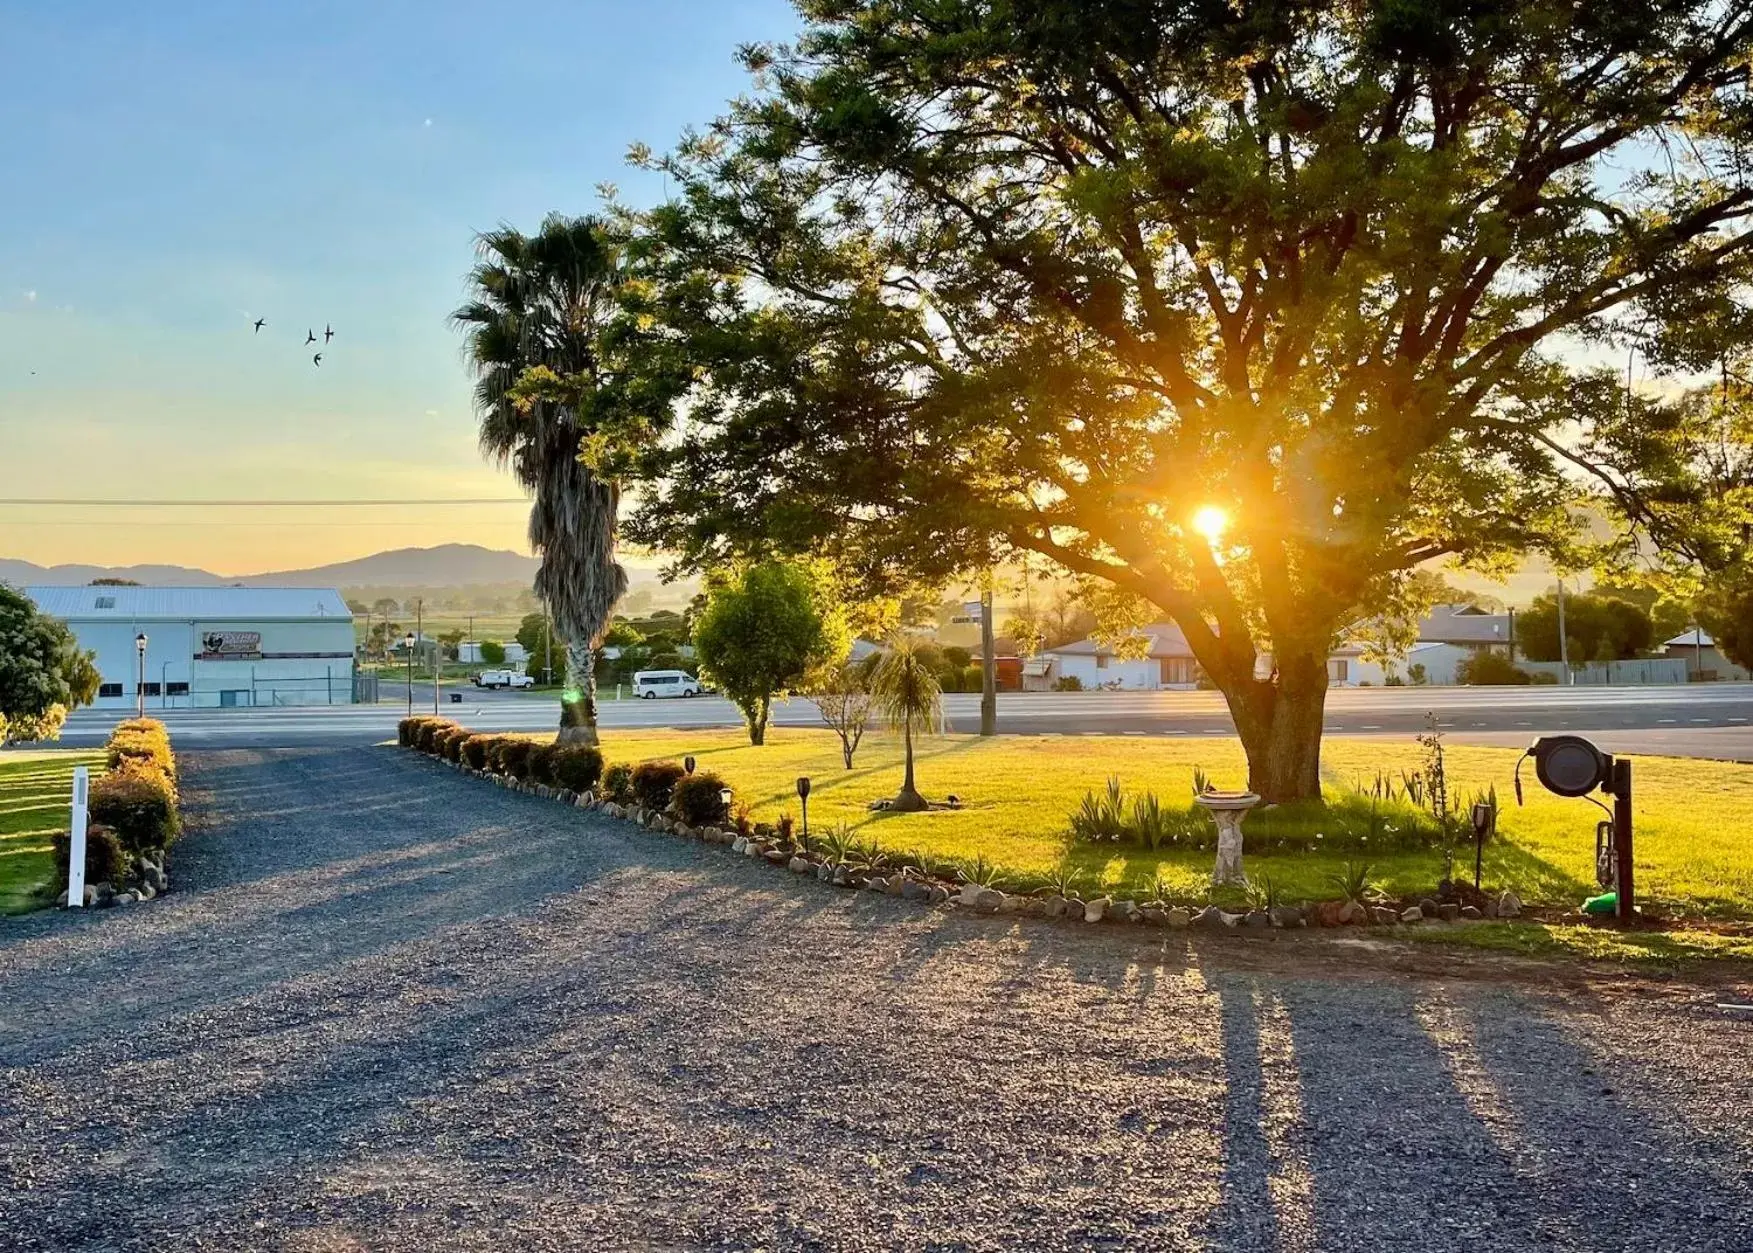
(389, 1007)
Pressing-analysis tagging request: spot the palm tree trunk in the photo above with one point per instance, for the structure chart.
(578, 700)
(908, 799)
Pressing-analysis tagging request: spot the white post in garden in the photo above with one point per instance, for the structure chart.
(1227, 810)
(76, 840)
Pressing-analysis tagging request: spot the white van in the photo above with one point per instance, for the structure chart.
(651, 684)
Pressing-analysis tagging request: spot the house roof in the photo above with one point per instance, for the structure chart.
(1695, 638)
(1165, 638)
(108, 603)
(1464, 624)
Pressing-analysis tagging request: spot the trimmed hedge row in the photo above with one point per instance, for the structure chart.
(132, 808)
(697, 799)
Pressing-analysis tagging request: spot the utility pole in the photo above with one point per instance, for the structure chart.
(988, 666)
(1512, 641)
(1563, 639)
(547, 646)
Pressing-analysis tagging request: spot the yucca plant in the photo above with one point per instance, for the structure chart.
(1064, 879)
(837, 846)
(1262, 893)
(1154, 886)
(867, 856)
(1101, 818)
(1352, 880)
(1201, 781)
(981, 873)
(1150, 824)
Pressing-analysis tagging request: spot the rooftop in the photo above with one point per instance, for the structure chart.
(1165, 639)
(107, 603)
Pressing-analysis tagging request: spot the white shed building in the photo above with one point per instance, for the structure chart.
(212, 647)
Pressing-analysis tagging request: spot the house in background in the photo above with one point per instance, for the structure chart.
(1168, 665)
(1704, 661)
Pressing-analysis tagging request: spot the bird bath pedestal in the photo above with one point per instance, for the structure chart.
(1228, 809)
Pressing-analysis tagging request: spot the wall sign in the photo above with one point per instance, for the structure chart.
(230, 646)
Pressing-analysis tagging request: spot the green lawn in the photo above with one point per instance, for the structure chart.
(1695, 818)
(35, 792)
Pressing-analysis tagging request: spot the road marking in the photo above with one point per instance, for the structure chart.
(1132, 733)
(1371, 726)
(1665, 721)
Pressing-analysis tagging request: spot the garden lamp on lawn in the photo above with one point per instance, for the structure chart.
(688, 763)
(803, 796)
(724, 796)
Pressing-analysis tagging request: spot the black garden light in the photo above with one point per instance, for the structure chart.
(1569, 765)
(688, 764)
(724, 796)
(803, 796)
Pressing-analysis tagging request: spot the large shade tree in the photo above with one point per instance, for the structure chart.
(43, 672)
(548, 327)
(969, 277)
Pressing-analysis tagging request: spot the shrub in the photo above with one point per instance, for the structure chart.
(492, 652)
(655, 781)
(450, 742)
(405, 731)
(618, 783)
(106, 861)
(1490, 669)
(1068, 683)
(541, 764)
(144, 741)
(513, 757)
(474, 750)
(139, 803)
(426, 734)
(699, 800)
(576, 767)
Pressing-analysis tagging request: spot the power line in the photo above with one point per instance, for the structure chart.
(39, 501)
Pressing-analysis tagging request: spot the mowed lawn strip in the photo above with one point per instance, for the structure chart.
(36, 788)
(1694, 832)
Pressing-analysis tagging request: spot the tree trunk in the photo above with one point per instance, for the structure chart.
(1279, 722)
(578, 699)
(908, 800)
(755, 714)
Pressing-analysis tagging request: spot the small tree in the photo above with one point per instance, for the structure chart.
(493, 652)
(43, 671)
(842, 694)
(906, 694)
(764, 630)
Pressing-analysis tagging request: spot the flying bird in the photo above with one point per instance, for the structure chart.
(317, 360)
(310, 336)
(260, 323)
(328, 333)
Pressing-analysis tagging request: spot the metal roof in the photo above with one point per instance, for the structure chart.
(183, 604)
(1697, 637)
(1446, 625)
(1165, 638)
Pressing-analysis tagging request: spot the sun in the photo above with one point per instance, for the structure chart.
(1211, 522)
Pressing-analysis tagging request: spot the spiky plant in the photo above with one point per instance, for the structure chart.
(906, 695)
(545, 302)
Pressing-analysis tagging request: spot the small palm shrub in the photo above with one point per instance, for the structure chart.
(979, 872)
(474, 750)
(1100, 818)
(654, 782)
(1065, 879)
(618, 783)
(541, 764)
(576, 767)
(139, 804)
(839, 845)
(698, 800)
(106, 861)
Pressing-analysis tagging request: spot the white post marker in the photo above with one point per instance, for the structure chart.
(76, 839)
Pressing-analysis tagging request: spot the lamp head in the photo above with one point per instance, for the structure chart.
(688, 764)
(140, 642)
(803, 787)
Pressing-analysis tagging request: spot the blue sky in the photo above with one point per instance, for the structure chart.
(173, 172)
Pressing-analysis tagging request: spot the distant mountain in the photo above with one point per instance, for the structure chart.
(448, 565)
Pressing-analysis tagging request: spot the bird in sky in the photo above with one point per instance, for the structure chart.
(310, 336)
(328, 333)
(260, 323)
(317, 360)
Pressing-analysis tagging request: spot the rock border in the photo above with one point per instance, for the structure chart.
(909, 884)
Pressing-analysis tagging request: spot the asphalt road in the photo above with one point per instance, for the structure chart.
(1707, 720)
(387, 1007)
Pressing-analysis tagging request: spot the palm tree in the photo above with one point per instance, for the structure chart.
(546, 300)
(907, 696)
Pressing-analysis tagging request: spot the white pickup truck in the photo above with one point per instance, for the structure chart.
(503, 678)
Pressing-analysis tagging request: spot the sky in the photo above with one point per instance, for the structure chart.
(173, 172)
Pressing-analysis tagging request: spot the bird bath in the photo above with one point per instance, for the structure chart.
(1227, 810)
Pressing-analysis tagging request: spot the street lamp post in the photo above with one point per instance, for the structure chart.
(140, 678)
(408, 641)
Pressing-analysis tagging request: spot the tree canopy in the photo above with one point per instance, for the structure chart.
(1598, 628)
(1241, 311)
(764, 630)
(43, 672)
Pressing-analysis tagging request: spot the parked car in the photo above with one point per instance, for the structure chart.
(651, 684)
(503, 678)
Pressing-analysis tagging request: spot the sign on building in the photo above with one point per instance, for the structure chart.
(230, 646)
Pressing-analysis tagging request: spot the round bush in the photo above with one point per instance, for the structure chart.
(426, 738)
(514, 757)
(541, 764)
(699, 800)
(576, 767)
(618, 783)
(654, 782)
(405, 731)
(139, 803)
(474, 750)
(450, 742)
(147, 745)
(106, 861)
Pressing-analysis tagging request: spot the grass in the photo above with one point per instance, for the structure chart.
(35, 791)
(1018, 793)
(1638, 948)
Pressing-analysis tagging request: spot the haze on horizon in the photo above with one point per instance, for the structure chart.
(175, 173)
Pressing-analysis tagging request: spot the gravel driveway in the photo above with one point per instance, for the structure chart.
(388, 1007)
